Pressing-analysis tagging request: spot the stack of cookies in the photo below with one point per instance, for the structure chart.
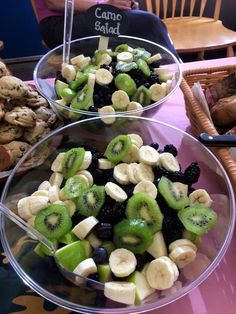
(25, 117)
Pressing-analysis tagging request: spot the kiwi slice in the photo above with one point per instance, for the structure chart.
(42, 250)
(142, 95)
(171, 194)
(90, 201)
(125, 82)
(125, 66)
(79, 81)
(143, 206)
(83, 98)
(59, 86)
(72, 161)
(198, 219)
(118, 148)
(53, 221)
(73, 186)
(143, 66)
(68, 238)
(121, 48)
(141, 53)
(132, 234)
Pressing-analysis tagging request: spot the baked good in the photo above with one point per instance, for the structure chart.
(32, 135)
(224, 111)
(12, 87)
(3, 69)
(46, 114)
(9, 132)
(22, 116)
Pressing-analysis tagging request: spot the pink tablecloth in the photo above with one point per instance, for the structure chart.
(217, 294)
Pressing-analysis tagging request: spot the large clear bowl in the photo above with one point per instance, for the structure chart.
(49, 65)
(44, 277)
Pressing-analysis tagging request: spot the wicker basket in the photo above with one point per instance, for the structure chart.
(198, 118)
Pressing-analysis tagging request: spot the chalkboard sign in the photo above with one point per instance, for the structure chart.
(106, 20)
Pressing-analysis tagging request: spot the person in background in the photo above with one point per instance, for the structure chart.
(141, 23)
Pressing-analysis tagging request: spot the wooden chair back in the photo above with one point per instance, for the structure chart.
(188, 8)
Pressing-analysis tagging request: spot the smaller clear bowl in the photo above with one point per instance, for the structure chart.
(49, 65)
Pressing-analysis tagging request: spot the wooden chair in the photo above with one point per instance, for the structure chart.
(190, 30)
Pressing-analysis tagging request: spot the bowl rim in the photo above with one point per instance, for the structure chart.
(53, 103)
(125, 310)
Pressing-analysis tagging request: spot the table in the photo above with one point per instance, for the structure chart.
(215, 296)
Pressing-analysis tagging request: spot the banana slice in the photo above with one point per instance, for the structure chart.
(200, 196)
(45, 185)
(181, 242)
(94, 241)
(82, 176)
(145, 172)
(146, 187)
(174, 267)
(77, 59)
(154, 58)
(148, 155)
(115, 192)
(122, 262)
(85, 268)
(71, 207)
(158, 91)
(82, 229)
(169, 162)
(123, 292)
(68, 72)
(84, 62)
(87, 174)
(87, 160)
(107, 110)
(105, 59)
(56, 179)
(133, 154)
(53, 193)
(132, 171)
(57, 163)
(136, 108)
(120, 173)
(164, 74)
(160, 273)
(40, 193)
(182, 256)
(31, 204)
(105, 164)
(120, 100)
(183, 188)
(103, 77)
(158, 247)
(125, 56)
(136, 139)
(91, 79)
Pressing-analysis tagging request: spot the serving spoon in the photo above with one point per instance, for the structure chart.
(225, 140)
(69, 275)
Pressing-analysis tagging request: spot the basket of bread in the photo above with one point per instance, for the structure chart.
(25, 118)
(215, 112)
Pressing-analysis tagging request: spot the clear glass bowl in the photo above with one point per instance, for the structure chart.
(49, 65)
(44, 277)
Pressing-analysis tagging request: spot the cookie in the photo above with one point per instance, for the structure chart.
(32, 135)
(34, 99)
(3, 69)
(2, 111)
(46, 114)
(9, 132)
(22, 116)
(11, 153)
(12, 87)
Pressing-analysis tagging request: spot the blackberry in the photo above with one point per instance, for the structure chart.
(170, 148)
(94, 277)
(172, 229)
(176, 176)
(100, 255)
(106, 213)
(154, 145)
(192, 173)
(94, 164)
(119, 212)
(147, 85)
(141, 261)
(159, 172)
(115, 72)
(76, 218)
(165, 209)
(105, 66)
(136, 74)
(93, 109)
(128, 189)
(104, 230)
(155, 64)
(153, 79)
(190, 190)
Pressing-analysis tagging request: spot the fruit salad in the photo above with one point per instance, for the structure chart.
(128, 217)
(113, 81)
